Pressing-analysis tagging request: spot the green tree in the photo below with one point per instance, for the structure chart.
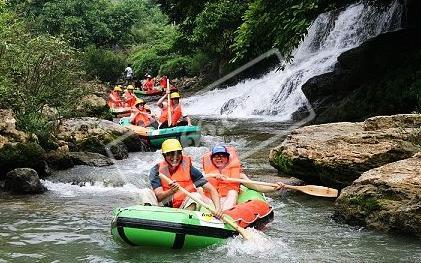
(36, 71)
(271, 23)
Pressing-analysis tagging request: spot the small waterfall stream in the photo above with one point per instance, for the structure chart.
(277, 95)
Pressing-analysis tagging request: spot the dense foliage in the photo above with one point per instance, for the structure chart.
(36, 71)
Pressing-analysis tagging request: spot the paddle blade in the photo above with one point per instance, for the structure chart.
(316, 190)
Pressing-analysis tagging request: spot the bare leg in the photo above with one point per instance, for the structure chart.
(230, 200)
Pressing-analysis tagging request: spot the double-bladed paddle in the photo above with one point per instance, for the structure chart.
(315, 190)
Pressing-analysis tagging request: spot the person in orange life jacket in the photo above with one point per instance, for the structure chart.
(163, 105)
(177, 111)
(149, 84)
(178, 167)
(141, 116)
(114, 98)
(223, 162)
(163, 82)
(129, 96)
(177, 118)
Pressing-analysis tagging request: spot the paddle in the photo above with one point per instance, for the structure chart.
(246, 235)
(169, 103)
(315, 190)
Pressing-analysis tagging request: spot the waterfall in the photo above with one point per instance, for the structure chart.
(277, 95)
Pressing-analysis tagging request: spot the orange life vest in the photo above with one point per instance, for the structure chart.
(114, 100)
(142, 118)
(148, 86)
(163, 82)
(232, 170)
(176, 114)
(164, 116)
(130, 99)
(181, 176)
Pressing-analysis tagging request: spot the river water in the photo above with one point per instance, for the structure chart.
(71, 222)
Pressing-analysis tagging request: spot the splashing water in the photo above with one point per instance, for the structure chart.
(260, 245)
(277, 95)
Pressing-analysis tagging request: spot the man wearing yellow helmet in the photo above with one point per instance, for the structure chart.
(177, 118)
(178, 167)
(114, 99)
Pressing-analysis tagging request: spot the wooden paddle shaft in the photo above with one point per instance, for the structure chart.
(239, 229)
(169, 104)
(315, 190)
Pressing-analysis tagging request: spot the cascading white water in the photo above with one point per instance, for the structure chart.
(277, 95)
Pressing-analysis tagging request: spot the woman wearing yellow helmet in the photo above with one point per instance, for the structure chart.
(141, 116)
(129, 96)
(114, 99)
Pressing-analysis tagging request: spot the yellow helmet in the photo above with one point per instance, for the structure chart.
(130, 87)
(139, 101)
(117, 88)
(171, 145)
(175, 95)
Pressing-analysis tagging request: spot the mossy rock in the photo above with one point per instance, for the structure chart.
(282, 163)
(22, 155)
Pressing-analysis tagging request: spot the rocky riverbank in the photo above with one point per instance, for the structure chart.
(378, 159)
(78, 141)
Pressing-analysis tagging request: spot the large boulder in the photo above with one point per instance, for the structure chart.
(386, 198)
(8, 132)
(100, 136)
(90, 159)
(379, 77)
(338, 153)
(23, 181)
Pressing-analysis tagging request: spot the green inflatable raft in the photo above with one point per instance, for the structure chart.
(187, 135)
(153, 226)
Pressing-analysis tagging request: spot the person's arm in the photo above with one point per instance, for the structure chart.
(159, 102)
(155, 181)
(261, 188)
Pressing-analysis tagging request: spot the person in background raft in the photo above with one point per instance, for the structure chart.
(141, 116)
(163, 82)
(177, 118)
(178, 167)
(149, 84)
(223, 162)
(114, 99)
(129, 96)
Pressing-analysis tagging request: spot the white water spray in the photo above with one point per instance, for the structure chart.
(277, 95)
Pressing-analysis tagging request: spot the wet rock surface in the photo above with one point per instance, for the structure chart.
(386, 198)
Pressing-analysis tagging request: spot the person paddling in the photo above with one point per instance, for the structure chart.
(179, 168)
(223, 161)
(149, 84)
(176, 111)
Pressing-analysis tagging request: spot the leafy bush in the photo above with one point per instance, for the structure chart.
(103, 64)
(36, 71)
(177, 67)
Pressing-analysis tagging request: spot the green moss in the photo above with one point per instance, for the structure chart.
(283, 163)
(29, 155)
(367, 204)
